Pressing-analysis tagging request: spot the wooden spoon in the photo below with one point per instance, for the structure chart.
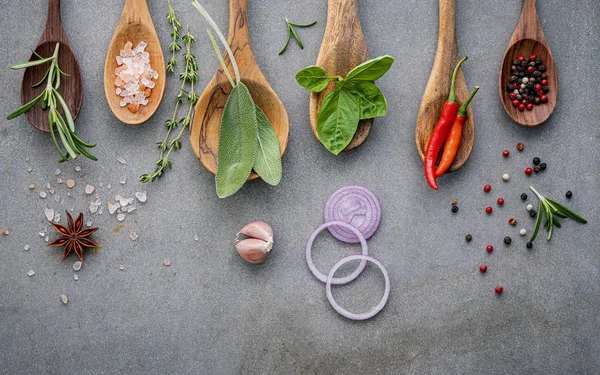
(438, 88)
(71, 87)
(134, 26)
(343, 48)
(528, 39)
(207, 114)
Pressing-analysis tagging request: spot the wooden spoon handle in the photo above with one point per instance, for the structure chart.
(342, 14)
(53, 30)
(135, 11)
(238, 36)
(529, 26)
(447, 47)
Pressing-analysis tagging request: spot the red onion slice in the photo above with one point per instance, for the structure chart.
(356, 206)
(345, 312)
(336, 280)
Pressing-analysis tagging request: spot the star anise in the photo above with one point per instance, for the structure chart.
(74, 237)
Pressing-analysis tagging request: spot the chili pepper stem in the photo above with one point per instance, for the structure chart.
(462, 111)
(452, 95)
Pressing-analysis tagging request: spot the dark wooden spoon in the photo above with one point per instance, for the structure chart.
(71, 87)
(528, 39)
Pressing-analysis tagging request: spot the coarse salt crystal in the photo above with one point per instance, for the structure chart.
(121, 160)
(64, 299)
(112, 207)
(70, 183)
(167, 262)
(43, 194)
(57, 172)
(142, 197)
(75, 277)
(89, 189)
(133, 236)
(49, 214)
(121, 217)
(77, 266)
(31, 273)
(27, 247)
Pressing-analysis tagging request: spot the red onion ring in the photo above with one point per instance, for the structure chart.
(357, 206)
(345, 312)
(335, 280)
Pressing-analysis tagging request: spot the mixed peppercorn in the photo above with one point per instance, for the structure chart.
(528, 84)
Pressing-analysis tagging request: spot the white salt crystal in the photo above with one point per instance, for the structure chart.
(59, 181)
(123, 180)
(121, 217)
(70, 183)
(64, 299)
(49, 214)
(57, 217)
(89, 189)
(43, 232)
(133, 236)
(27, 247)
(88, 224)
(47, 185)
(93, 207)
(78, 168)
(77, 266)
(31, 273)
(56, 198)
(196, 238)
(112, 207)
(43, 194)
(124, 202)
(142, 197)
(121, 160)
(29, 169)
(57, 172)
(75, 277)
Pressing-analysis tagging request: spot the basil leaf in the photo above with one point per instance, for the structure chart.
(338, 119)
(267, 163)
(371, 100)
(313, 78)
(371, 70)
(237, 141)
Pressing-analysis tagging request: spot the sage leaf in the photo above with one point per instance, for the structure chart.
(237, 141)
(313, 78)
(371, 70)
(338, 119)
(371, 100)
(267, 163)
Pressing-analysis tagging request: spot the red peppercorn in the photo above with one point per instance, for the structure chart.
(521, 107)
(505, 153)
(489, 209)
(520, 146)
(530, 69)
(528, 171)
(532, 57)
(489, 248)
(512, 221)
(487, 188)
(544, 98)
(499, 289)
(512, 96)
(529, 107)
(500, 201)
(483, 268)
(544, 82)
(537, 101)
(537, 87)
(515, 103)
(521, 58)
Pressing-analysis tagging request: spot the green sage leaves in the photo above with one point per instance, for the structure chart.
(355, 98)
(267, 162)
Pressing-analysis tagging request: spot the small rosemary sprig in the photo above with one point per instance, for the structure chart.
(188, 77)
(51, 98)
(553, 210)
(291, 31)
(173, 46)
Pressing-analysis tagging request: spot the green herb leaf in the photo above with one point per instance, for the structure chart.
(538, 222)
(371, 70)
(237, 141)
(267, 163)
(566, 211)
(31, 63)
(313, 78)
(25, 107)
(338, 119)
(371, 100)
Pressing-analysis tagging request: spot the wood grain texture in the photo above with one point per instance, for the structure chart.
(527, 39)
(134, 26)
(204, 135)
(71, 88)
(343, 48)
(438, 88)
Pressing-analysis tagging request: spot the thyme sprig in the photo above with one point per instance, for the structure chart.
(291, 31)
(51, 99)
(188, 78)
(552, 210)
(174, 46)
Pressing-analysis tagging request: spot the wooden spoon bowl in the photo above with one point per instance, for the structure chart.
(206, 123)
(71, 87)
(134, 26)
(527, 39)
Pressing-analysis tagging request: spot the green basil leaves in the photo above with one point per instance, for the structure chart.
(355, 98)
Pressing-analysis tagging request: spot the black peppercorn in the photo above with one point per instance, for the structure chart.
(545, 89)
(468, 238)
(538, 61)
(542, 68)
(507, 240)
(529, 245)
(569, 194)
(524, 63)
(524, 196)
(536, 169)
(532, 213)
(516, 62)
(520, 74)
(531, 98)
(536, 73)
(543, 166)
(509, 88)
(538, 80)
(454, 209)
(544, 76)
(536, 161)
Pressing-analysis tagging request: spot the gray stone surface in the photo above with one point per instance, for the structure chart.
(211, 313)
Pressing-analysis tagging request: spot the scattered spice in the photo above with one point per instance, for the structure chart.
(489, 209)
(5, 231)
(487, 188)
(520, 147)
(528, 84)
(74, 237)
(528, 171)
(454, 202)
(529, 207)
(167, 262)
(536, 169)
(32, 186)
(543, 166)
(512, 221)
(536, 161)
(500, 201)
(121, 267)
(134, 76)
(524, 196)
(569, 194)
(483, 268)
(489, 248)
(505, 177)
(529, 245)
(468, 238)
(533, 213)
(70, 183)
(507, 240)
(454, 209)
(523, 232)
(499, 289)
(505, 153)
(552, 210)
(64, 299)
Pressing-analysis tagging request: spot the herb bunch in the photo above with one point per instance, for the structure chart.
(174, 46)
(51, 99)
(291, 31)
(247, 139)
(188, 77)
(355, 98)
(553, 211)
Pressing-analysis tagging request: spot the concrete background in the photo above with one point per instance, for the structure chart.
(212, 313)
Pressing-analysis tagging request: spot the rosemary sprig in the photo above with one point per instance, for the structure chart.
(552, 210)
(291, 31)
(173, 46)
(188, 77)
(51, 99)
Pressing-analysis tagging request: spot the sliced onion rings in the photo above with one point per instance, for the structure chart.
(345, 312)
(357, 206)
(336, 280)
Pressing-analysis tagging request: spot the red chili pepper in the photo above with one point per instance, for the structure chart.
(440, 131)
(453, 137)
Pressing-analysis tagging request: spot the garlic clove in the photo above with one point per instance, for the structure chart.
(258, 229)
(253, 250)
